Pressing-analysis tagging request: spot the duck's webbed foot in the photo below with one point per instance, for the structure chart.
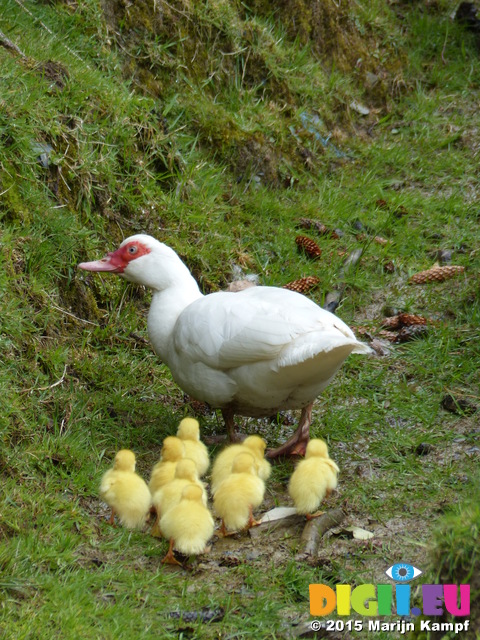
(297, 444)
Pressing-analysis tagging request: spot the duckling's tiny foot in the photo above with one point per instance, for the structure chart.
(170, 558)
(251, 520)
(222, 532)
(311, 516)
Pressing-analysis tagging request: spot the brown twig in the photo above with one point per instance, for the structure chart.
(50, 386)
(8, 44)
(316, 528)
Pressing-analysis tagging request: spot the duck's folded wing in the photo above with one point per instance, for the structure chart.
(226, 330)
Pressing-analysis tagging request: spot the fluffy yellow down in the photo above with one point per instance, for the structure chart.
(189, 523)
(170, 493)
(125, 492)
(189, 432)
(173, 450)
(222, 466)
(240, 492)
(313, 478)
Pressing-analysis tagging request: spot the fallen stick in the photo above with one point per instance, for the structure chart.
(8, 44)
(316, 528)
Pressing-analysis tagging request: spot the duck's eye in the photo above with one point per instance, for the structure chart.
(132, 249)
(403, 572)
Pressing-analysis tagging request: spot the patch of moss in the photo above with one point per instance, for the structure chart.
(455, 559)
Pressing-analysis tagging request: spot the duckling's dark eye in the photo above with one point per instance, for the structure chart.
(132, 249)
(403, 572)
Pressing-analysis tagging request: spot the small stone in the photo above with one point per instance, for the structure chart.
(458, 405)
(423, 449)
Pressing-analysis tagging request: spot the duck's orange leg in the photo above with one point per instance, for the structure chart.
(297, 444)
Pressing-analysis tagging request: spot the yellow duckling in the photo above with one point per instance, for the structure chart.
(169, 495)
(313, 479)
(125, 492)
(188, 525)
(222, 466)
(173, 450)
(239, 494)
(189, 432)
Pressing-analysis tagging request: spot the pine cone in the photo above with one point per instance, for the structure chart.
(409, 319)
(308, 246)
(437, 274)
(309, 223)
(319, 227)
(403, 320)
(381, 204)
(303, 284)
(389, 266)
(392, 323)
(388, 335)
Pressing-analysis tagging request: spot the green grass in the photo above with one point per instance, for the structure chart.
(208, 131)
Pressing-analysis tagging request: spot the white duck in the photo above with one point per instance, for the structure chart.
(253, 352)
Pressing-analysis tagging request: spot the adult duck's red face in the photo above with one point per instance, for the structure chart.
(118, 261)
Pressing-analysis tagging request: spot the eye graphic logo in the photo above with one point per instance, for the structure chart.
(403, 572)
(378, 600)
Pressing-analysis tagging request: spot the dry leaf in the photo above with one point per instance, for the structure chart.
(358, 533)
(278, 513)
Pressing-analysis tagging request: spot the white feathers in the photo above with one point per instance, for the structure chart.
(260, 350)
(254, 348)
